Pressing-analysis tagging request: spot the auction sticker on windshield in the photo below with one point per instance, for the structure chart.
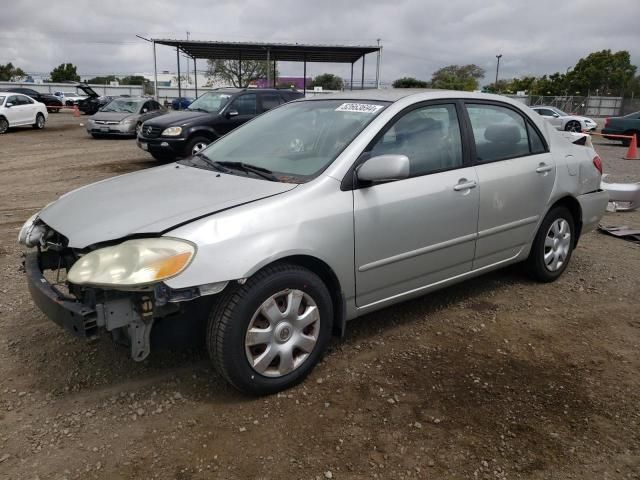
(358, 107)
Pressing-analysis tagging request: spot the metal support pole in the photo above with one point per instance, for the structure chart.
(378, 66)
(351, 81)
(155, 74)
(497, 69)
(362, 78)
(304, 77)
(275, 74)
(179, 81)
(240, 70)
(195, 76)
(268, 69)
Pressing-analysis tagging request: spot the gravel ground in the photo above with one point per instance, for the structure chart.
(495, 378)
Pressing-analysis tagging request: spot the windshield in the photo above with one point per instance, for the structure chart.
(561, 113)
(211, 102)
(122, 106)
(296, 140)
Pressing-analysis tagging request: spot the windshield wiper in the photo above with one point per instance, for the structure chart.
(198, 110)
(247, 167)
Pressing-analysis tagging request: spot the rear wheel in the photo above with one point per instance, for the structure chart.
(39, 123)
(573, 126)
(4, 125)
(268, 334)
(553, 245)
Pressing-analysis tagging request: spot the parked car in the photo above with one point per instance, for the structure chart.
(51, 101)
(123, 116)
(313, 214)
(70, 98)
(210, 116)
(181, 103)
(566, 121)
(627, 125)
(17, 110)
(92, 102)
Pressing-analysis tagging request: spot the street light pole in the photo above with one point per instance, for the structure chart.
(497, 70)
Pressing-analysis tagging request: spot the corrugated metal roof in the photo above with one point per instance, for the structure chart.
(287, 52)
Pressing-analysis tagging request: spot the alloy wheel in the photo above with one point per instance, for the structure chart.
(282, 333)
(4, 125)
(557, 244)
(198, 147)
(40, 121)
(573, 126)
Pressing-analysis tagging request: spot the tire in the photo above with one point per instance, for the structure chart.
(39, 123)
(4, 125)
(163, 157)
(573, 126)
(552, 245)
(241, 308)
(195, 145)
(626, 142)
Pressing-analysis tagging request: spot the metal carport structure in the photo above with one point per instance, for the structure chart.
(271, 52)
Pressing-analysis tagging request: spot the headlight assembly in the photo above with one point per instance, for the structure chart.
(172, 131)
(31, 232)
(133, 263)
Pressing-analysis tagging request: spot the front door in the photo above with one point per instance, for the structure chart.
(516, 174)
(242, 109)
(418, 231)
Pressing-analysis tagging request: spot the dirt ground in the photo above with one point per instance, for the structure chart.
(496, 378)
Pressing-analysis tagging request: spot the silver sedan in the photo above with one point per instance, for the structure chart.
(123, 117)
(313, 214)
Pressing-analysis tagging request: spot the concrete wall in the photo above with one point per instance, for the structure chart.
(133, 90)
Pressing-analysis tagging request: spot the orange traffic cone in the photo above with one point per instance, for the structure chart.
(76, 111)
(632, 153)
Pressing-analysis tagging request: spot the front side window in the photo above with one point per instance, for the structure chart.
(298, 140)
(245, 104)
(500, 133)
(429, 136)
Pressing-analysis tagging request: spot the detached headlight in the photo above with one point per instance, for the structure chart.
(133, 263)
(172, 131)
(31, 233)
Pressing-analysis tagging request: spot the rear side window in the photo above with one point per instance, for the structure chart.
(270, 100)
(501, 133)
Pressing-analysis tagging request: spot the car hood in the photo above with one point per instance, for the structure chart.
(112, 116)
(151, 201)
(91, 93)
(182, 118)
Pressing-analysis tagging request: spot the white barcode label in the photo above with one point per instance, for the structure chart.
(358, 107)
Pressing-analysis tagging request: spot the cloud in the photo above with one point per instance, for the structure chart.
(418, 36)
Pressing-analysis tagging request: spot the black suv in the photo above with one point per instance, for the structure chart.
(51, 101)
(210, 116)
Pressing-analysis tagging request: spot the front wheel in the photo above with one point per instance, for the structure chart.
(4, 125)
(39, 123)
(553, 245)
(196, 145)
(573, 126)
(268, 334)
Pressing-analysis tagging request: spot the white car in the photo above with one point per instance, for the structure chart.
(564, 121)
(69, 98)
(17, 110)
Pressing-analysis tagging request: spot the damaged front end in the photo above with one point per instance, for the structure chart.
(84, 307)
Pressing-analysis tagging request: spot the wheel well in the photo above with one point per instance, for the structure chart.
(330, 279)
(574, 207)
(201, 133)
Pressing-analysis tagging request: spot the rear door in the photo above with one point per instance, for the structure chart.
(414, 232)
(516, 173)
(30, 108)
(269, 100)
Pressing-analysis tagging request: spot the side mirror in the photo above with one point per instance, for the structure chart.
(555, 115)
(8, 104)
(384, 168)
(232, 113)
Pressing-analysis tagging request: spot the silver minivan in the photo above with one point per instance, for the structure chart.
(310, 215)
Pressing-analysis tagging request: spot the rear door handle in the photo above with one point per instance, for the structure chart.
(464, 186)
(543, 168)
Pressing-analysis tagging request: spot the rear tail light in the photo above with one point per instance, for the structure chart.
(597, 163)
(606, 122)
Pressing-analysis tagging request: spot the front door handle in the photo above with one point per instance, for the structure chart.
(544, 168)
(464, 185)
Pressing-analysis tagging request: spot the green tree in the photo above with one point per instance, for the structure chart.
(604, 71)
(9, 73)
(458, 77)
(106, 80)
(328, 81)
(409, 82)
(237, 73)
(147, 86)
(65, 72)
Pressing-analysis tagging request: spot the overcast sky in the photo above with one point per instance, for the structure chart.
(418, 36)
